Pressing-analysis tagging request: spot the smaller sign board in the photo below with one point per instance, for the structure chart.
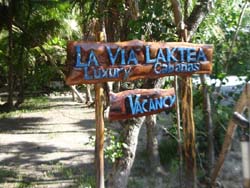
(140, 102)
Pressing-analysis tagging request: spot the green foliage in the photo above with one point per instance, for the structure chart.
(5, 173)
(3, 57)
(29, 105)
(168, 150)
(155, 22)
(37, 24)
(221, 118)
(81, 180)
(114, 148)
(221, 114)
(25, 184)
(230, 57)
(85, 181)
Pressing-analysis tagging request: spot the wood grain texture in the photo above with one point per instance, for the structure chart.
(188, 132)
(119, 106)
(140, 70)
(99, 149)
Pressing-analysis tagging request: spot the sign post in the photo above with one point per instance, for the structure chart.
(100, 62)
(99, 156)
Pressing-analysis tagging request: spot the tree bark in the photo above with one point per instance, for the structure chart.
(199, 13)
(152, 142)
(89, 98)
(177, 12)
(186, 107)
(209, 125)
(122, 167)
(182, 34)
(74, 90)
(118, 178)
(20, 98)
(10, 59)
(133, 10)
(152, 145)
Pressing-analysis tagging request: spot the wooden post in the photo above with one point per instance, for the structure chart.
(188, 123)
(145, 57)
(99, 146)
(179, 135)
(239, 107)
(188, 132)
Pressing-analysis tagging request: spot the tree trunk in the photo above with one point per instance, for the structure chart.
(20, 97)
(152, 145)
(209, 125)
(10, 63)
(89, 98)
(122, 167)
(74, 90)
(152, 142)
(118, 178)
(197, 15)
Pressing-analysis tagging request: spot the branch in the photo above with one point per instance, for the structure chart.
(198, 14)
(235, 35)
(178, 18)
(133, 7)
(177, 11)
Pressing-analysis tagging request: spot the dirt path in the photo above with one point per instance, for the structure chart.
(48, 148)
(51, 149)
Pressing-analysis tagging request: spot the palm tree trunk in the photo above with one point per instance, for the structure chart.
(10, 63)
(20, 96)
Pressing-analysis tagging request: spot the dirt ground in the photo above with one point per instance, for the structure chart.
(51, 149)
(47, 147)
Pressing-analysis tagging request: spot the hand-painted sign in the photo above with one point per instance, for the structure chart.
(95, 62)
(140, 102)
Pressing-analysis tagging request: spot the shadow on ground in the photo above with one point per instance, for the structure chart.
(28, 156)
(33, 155)
(20, 123)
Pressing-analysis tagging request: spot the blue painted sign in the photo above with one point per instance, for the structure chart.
(140, 102)
(131, 60)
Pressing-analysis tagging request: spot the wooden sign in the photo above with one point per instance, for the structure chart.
(140, 102)
(95, 62)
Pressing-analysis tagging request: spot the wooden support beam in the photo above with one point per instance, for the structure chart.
(74, 90)
(240, 106)
(188, 132)
(99, 149)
